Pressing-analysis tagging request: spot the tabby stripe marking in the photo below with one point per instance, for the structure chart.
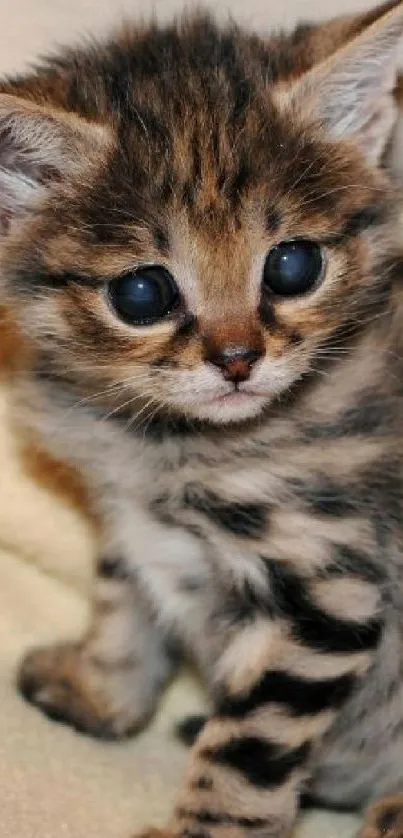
(194, 833)
(205, 816)
(203, 784)
(325, 497)
(301, 696)
(112, 567)
(263, 763)
(247, 520)
(350, 562)
(358, 222)
(314, 627)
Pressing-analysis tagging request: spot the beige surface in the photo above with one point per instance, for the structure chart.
(54, 783)
(30, 27)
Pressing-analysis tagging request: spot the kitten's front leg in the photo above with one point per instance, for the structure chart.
(107, 684)
(280, 682)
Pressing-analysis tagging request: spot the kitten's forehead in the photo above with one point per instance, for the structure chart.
(200, 150)
(220, 184)
(192, 109)
(198, 131)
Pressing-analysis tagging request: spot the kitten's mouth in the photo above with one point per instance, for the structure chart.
(235, 395)
(233, 406)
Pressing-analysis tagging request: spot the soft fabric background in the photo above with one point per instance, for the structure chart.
(54, 783)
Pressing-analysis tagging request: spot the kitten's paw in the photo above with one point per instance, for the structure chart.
(384, 819)
(57, 680)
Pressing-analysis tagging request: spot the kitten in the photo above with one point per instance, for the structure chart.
(197, 253)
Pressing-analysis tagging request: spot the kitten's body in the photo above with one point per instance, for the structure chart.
(262, 532)
(332, 465)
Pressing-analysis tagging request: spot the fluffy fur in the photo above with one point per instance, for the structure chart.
(258, 529)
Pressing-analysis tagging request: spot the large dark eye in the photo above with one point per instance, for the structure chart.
(292, 267)
(145, 296)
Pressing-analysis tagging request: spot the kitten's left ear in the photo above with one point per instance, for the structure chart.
(351, 92)
(40, 146)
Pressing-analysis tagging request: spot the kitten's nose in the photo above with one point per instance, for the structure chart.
(235, 362)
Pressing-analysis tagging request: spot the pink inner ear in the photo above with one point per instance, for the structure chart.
(374, 133)
(37, 146)
(351, 92)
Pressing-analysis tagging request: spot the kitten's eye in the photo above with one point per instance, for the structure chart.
(145, 296)
(292, 267)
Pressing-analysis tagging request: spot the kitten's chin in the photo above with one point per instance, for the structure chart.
(236, 407)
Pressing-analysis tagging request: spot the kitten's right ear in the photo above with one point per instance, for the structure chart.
(351, 93)
(39, 146)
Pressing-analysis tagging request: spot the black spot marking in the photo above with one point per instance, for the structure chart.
(151, 129)
(241, 604)
(387, 818)
(369, 416)
(197, 166)
(350, 562)
(206, 816)
(194, 833)
(164, 362)
(43, 279)
(263, 763)
(112, 567)
(362, 220)
(243, 93)
(166, 188)
(203, 783)
(165, 425)
(160, 507)
(295, 337)
(301, 696)
(188, 194)
(234, 185)
(273, 219)
(314, 627)
(325, 497)
(267, 313)
(251, 823)
(161, 238)
(186, 327)
(372, 414)
(203, 816)
(311, 801)
(189, 729)
(247, 520)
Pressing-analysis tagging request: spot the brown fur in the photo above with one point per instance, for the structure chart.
(57, 477)
(243, 455)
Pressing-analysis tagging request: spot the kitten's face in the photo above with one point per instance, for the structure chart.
(209, 257)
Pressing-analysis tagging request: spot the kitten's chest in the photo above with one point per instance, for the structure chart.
(189, 521)
(146, 518)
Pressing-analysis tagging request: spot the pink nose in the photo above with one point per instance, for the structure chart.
(235, 362)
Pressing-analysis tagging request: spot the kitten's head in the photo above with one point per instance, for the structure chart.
(191, 217)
